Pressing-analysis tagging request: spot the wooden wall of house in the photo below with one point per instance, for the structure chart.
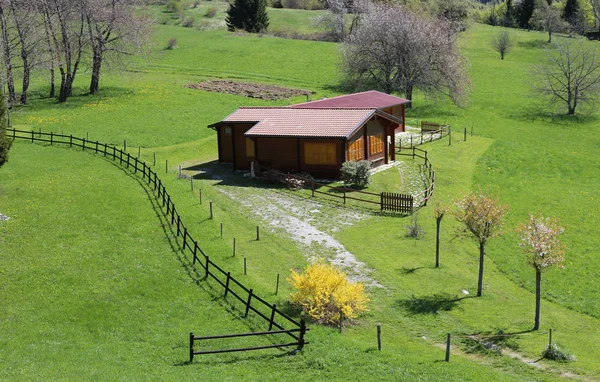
(277, 153)
(331, 157)
(231, 140)
(376, 127)
(397, 111)
(355, 147)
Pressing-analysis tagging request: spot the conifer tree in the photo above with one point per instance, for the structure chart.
(5, 142)
(524, 12)
(249, 15)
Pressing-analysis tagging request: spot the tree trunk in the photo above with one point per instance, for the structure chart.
(26, 72)
(481, 257)
(409, 96)
(7, 60)
(97, 64)
(549, 36)
(438, 222)
(538, 292)
(52, 85)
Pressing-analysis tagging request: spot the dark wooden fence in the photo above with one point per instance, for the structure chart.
(386, 201)
(249, 300)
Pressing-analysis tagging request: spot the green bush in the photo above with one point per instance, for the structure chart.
(356, 173)
(174, 6)
(211, 12)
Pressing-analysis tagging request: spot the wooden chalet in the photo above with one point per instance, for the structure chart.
(314, 137)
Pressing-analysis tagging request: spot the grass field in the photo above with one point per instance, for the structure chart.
(94, 286)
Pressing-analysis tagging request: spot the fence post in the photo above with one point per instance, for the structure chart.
(124, 145)
(277, 285)
(184, 237)
(550, 339)
(448, 348)
(449, 136)
(195, 251)
(234, 253)
(227, 284)
(192, 182)
(344, 196)
(244, 266)
(154, 159)
(257, 234)
(465, 134)
(178, 223)
(272, 317)
(221, 230)
(312, 185)
(302, 333)
(51, 137)
(211, 214)
(166, 165)
(341, 320)
(379, 336)
(248, 303)
(191, 347)
(206, 269)
(200, 196)
(139, 150)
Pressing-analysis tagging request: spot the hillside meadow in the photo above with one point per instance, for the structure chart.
(94, 284)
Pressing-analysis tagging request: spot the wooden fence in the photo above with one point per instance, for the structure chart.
(426, 171)
(250, 301)
(430, 132)
(386, 201)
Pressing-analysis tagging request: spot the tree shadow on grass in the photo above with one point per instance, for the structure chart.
(432, 304)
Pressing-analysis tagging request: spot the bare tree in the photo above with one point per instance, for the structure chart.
(539, 238)
(547, 17)
(5, 142)
(113, 28)
(394, 49)
(482, 217)
(439, 211)
(66, 23)
(334, 20)
(502, 43)
(6, 50)
(27, 24)
(570, 74)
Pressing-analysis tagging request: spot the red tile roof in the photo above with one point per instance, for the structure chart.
(303, 122)
(368, 99)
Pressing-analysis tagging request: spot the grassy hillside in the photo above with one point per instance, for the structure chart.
(112, 297)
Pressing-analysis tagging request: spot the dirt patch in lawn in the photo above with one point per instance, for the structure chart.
(259, 91)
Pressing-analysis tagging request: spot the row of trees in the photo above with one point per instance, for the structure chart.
(482, 218)
(548, 15)
(62, 36)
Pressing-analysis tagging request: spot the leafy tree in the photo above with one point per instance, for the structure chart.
(570, 74)
(5, 142)
(524, 12)
(395, 49)
(539, 238)
(249, 15)
(482, 217)
(502, 43)
(573, 15)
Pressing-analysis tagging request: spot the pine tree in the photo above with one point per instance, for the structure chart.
(249, 15)
(5, 142)
(571, 9)
(524, 12)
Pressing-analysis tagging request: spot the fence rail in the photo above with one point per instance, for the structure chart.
(250, 301)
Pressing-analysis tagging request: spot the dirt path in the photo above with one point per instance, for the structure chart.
(309, 223)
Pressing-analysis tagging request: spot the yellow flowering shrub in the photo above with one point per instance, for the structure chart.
(323, 291)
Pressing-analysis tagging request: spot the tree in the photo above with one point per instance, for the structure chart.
(573, 15)
(394, 49)
(439, 211)
(482, 217)
(454, 11)
(334, 19)
(524, 11)
(570, 74)
(6, 50)
(502, 43)
(249, 15)
(596, 12)
(113, 27)
(5, 142)
(546, 17)
(539, 238)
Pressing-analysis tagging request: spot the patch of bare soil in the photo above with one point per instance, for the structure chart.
(266, 92)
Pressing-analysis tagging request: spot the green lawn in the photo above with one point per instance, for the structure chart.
(94, 285)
